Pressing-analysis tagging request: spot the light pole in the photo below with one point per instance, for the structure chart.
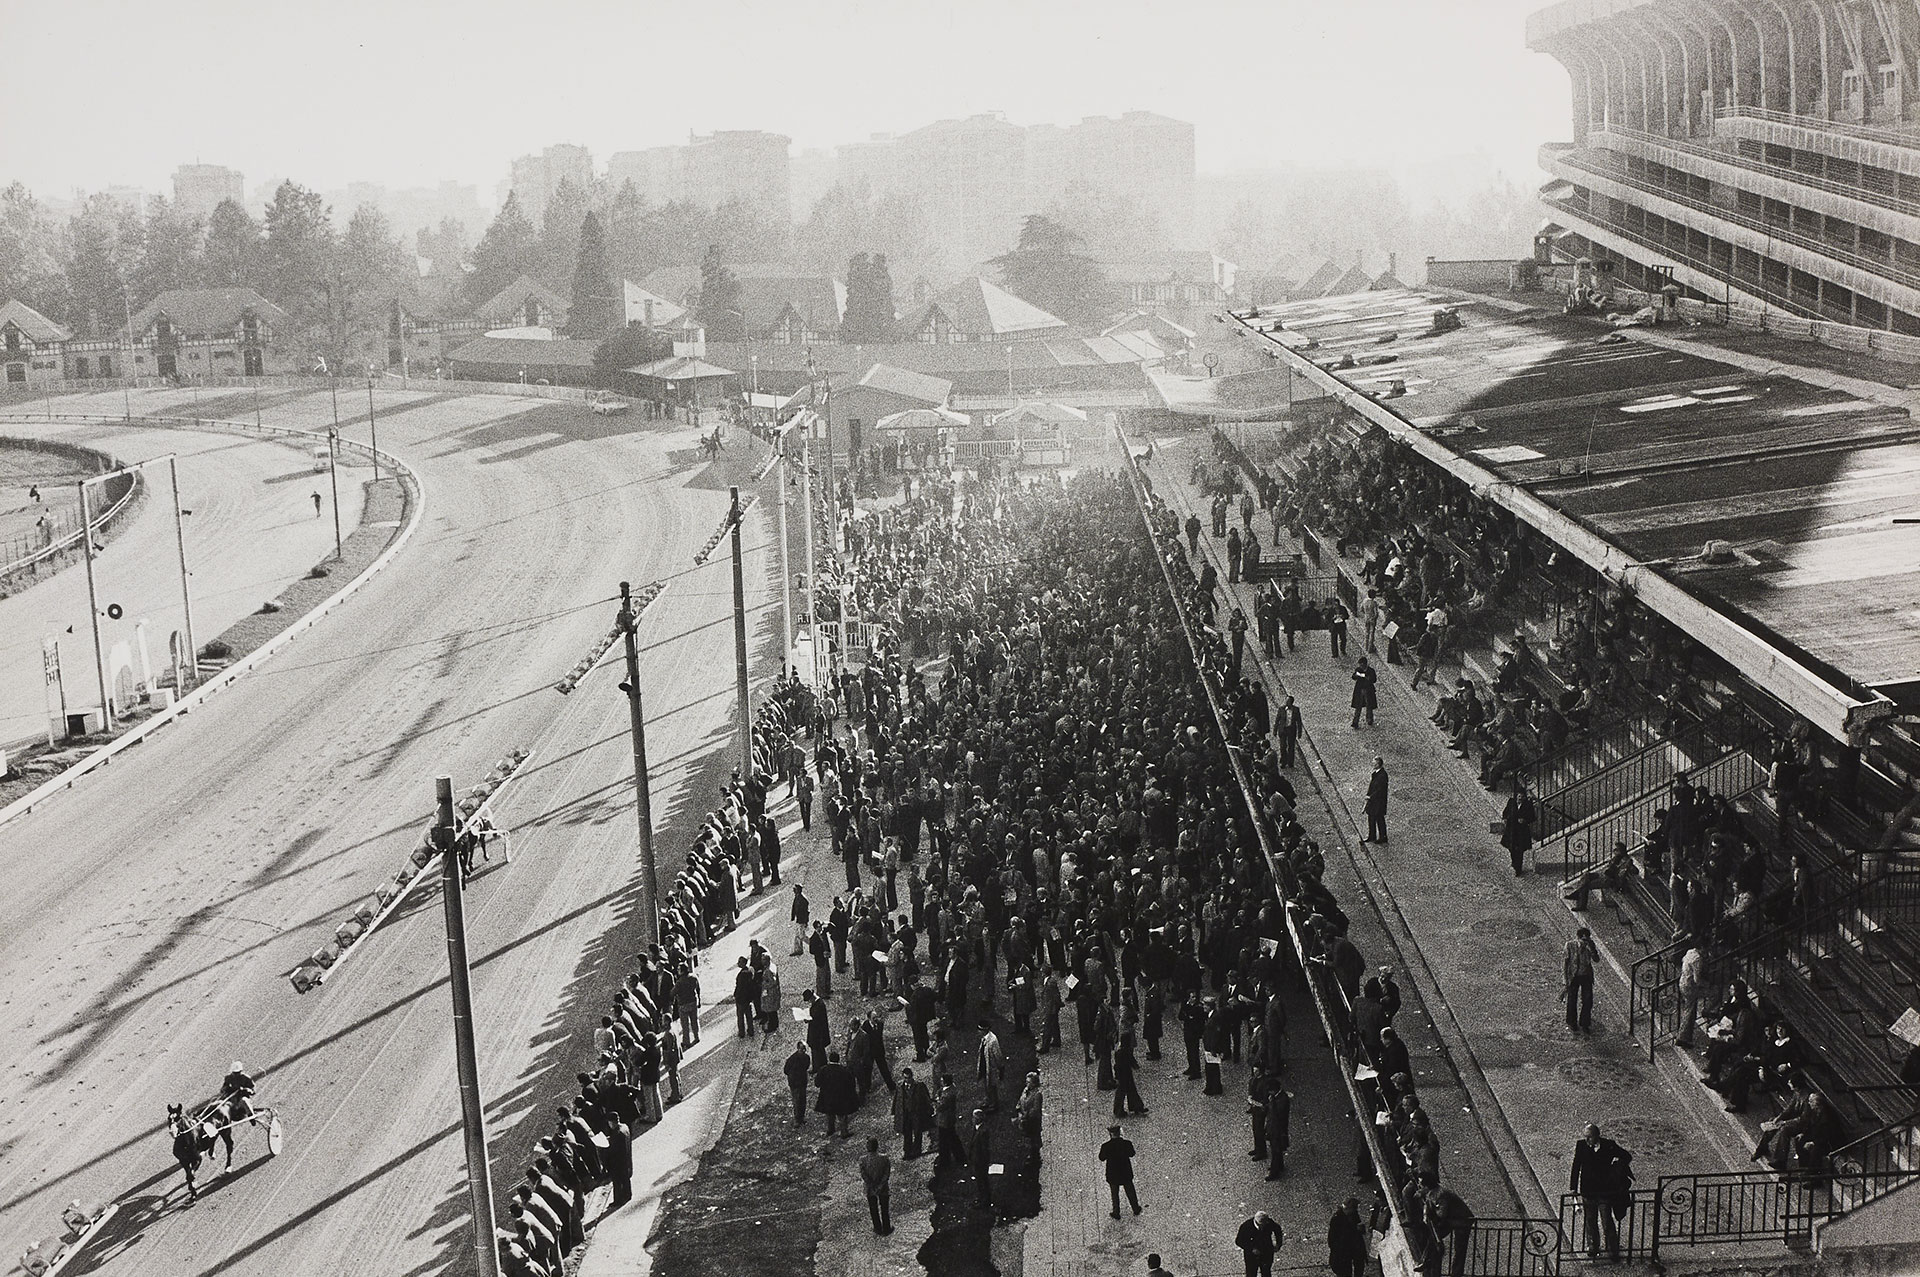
(813, 581)
(472, 1114)
(740, 637)
(126, 391)
(333, 478)
(373, 429)
(786, 561)
(93, 613)
(628, 623)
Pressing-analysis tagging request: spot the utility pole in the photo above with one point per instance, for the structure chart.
(186, 594)
(93, 611)
(813, 582)
(643, 798)
(373, 429)
(740, 638)
(473, 1117)
(333, 478)
(786, 562)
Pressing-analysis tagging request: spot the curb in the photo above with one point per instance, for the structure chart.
(226, 678)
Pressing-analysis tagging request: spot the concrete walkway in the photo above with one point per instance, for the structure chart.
(1482, 947)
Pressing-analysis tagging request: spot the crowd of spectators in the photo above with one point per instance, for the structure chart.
(636, 1051)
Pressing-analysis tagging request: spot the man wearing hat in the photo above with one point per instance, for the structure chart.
(1118, 1154)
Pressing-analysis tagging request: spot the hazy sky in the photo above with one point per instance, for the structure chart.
(407, 92)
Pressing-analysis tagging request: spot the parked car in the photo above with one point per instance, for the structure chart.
(607, 405)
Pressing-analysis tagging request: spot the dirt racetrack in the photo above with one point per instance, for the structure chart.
(152, 912)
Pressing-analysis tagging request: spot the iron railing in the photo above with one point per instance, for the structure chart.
(1582, 845)
(1512, 1248)
(1752, 285)
(1880, 198)
(1750, 1206)
(1784, 232)
(1634, 1228)
(1865, 132)
(1761, 956)
(1894, 1147)
(1568, 764)
(1650, 769)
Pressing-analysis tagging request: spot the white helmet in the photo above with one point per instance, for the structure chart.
(237, 1068)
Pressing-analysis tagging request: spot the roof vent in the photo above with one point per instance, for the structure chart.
(1716, 552)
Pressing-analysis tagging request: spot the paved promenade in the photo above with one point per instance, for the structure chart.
(1482, 947)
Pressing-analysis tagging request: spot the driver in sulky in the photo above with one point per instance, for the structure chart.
(238, 1084)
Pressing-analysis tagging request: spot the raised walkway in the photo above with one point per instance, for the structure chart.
(1483, 948)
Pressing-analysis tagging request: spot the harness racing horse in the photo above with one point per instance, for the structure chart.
(193, 1138)
(712, 445)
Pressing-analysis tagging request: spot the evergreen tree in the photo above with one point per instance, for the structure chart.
(869, 316)
(626, 231)
(29, 244)
(371, 272)
(99, 254)
(596, 299)
(232, 254)
(444, 245)
(634, 346)
(560, 235)
(1047, 269)
(171, 253)
(720, 298)
(506, 252)
(301, 266)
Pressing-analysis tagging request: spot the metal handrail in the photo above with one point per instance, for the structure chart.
(1513, 1247)
(1865, 132)
(1688, 147)
(1654, 977)
(1732, 774)
(1646, 770)
(1785, 234)
(1736, 1206)
(1753, 287)
(1330, 1001)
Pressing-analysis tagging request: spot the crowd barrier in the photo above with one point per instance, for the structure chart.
(770, 724)
(1329, 999)
(471, 821)
(123, 493)
(293, 381)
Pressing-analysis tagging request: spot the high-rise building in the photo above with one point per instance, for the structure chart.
(1754, 152)
(977, 178)
(1139, 155)
(534, 178)
(740, 164)
(198, 189)
(811, 174)
(413, 208)
(658, 174)
(710, 170)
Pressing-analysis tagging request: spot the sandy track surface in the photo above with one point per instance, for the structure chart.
(154, 910)
(251, 531)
